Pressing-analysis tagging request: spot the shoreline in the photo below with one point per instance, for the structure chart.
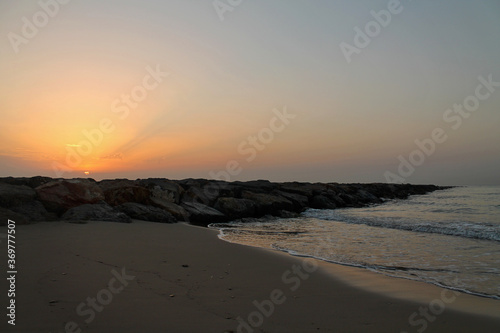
(397, 287)
(186, 279)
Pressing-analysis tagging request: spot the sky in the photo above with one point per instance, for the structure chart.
(284, 90)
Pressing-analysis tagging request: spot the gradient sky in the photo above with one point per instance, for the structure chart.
(352, 120)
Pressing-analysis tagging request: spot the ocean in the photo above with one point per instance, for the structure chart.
(450, 238)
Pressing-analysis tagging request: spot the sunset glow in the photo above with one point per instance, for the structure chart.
(168, 89)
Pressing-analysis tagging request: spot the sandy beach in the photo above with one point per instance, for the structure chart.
(153, 277)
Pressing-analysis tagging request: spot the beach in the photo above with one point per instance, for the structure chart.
(155, 277)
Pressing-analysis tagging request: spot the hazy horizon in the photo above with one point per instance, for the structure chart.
(323, 91)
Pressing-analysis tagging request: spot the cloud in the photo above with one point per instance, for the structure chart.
(114, 156)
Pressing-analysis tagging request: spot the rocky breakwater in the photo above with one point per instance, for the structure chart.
(198, 201)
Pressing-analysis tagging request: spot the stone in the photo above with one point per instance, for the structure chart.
(177, 211)
(146, 213)
(235, 208)
(202, 214)
(15, 195)
(322, 202)
(163, 189)
(95, 212)
(300, 202)
(60, 195)
(267, 203)
(35, 211)
(7, 214)
(120, 191)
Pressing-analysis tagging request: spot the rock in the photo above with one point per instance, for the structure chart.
(321, 202)
(177, 211)
(258, 186)
(203, 215)
(32, 182)
(206, 195)
(95, 212)
(190, 182)
(58, 196)
(306, 189)
(365, 197)
(35, 211)
(7, 214)
(120, 191)
(200, 201)
(145, 213)
(15, 195)
(267, 203)
(300, 202)
(163, 189)
(235, 208)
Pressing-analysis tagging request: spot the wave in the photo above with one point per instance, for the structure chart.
(461, 229)
(393, 270)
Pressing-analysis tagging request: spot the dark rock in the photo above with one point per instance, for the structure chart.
(190, 182)
(146, 213)
(163, 189)
(267, 203)
(58, 196)
(236, 208)
(366, 197)
(206, 195)
(321, 202)
(120, 191)
(30, 182)
(200, 201)
(203, 215)
(95, 212)
(35, 211)
(177, 211)
(258, 186)
(7, 214)
(300, 202)
(306, 189)
(15, 195)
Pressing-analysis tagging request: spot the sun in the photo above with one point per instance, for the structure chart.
(87, 173)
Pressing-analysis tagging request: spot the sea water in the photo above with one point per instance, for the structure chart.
(450, 238)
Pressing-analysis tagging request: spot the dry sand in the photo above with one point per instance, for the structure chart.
(180, 278)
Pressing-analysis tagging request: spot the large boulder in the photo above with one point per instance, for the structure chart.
(120, 191)
(235, 208)
(95, 212)
(177, 211)
(163, 189)
(321, 202)
(207, 194)
(365, 197)
(146, 213)
(267, 203)
(35, 211)
(300, 202)
(7, 214)
(202, 214)
(59, 196)
(15, 195)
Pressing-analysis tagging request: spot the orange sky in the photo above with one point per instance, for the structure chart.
(101, 68)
